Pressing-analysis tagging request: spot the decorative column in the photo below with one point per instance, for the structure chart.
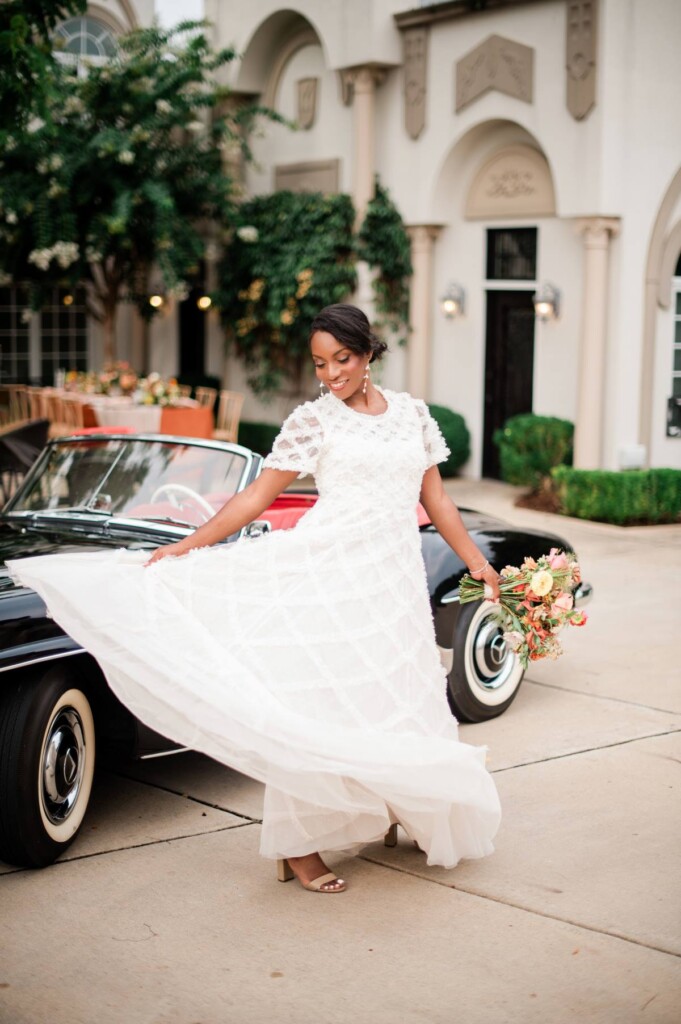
(359, 89)
(422, 237)
(596, 233)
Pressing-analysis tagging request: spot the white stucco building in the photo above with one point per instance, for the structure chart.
(524, 142)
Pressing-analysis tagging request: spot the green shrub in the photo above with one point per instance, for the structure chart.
(455, 433)
(620, 497)
(259, 437)
(530, 446)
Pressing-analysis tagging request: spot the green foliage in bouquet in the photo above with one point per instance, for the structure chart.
(624, 497)
(121, 173)
(530, 446)
(291, 255)
(456, 435)
(384, 244)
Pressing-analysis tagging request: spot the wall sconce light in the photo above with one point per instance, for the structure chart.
(204, 302)
(67, 299)
(156, 301)
(546, 302)
(453, 302)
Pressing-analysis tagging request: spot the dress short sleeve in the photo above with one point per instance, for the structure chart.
(297, 446)
(433, 441)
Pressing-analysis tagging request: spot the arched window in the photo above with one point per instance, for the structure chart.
(83, 41)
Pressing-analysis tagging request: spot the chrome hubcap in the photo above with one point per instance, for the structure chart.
(63, 764)
(492, 660)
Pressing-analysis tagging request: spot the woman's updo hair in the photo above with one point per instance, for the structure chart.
(350, 325)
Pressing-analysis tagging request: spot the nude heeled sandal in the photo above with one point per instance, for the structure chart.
(285, 873)
(390, 838)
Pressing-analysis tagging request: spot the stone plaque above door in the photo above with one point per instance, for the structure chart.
(515, 182)
(499, 64)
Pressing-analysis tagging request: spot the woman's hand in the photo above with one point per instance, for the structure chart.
(491, 578)
(168, 549)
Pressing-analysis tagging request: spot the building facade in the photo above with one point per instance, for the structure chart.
(532, 148)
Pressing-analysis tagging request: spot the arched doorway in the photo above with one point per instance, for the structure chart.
(495, 194)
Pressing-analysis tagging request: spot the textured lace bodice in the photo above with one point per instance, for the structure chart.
(362, 464)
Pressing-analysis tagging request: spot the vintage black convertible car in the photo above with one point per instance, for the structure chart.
(96, 490)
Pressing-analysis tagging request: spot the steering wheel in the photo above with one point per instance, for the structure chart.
(173, 491)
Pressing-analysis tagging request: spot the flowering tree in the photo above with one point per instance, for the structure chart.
(120, 172)
(26, 59)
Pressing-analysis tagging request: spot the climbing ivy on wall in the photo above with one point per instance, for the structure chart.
(384, 244)
(291, 254)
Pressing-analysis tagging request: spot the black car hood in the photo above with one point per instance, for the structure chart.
(21, 541)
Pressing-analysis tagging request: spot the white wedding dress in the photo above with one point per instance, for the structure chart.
(305, 658)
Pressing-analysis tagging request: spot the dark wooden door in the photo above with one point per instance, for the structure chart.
(509, 366)
(192, 323)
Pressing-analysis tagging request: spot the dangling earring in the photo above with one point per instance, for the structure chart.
(366, 380)
(321, 385)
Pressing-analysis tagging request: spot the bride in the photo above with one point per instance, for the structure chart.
(305, 658)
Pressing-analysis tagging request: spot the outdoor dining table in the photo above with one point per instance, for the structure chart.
(187, 418)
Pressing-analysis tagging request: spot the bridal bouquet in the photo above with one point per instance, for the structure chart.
(535, 602)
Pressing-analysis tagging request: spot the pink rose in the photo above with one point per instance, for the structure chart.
(557, 559)
(563, 603)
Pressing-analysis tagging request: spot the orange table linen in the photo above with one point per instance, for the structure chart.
(197, 422)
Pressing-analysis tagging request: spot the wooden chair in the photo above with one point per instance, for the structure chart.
(37, 403)
(206, 396)
(186, 390)
(73, 412)
(55, 414)
(229, 413)
(19, 409)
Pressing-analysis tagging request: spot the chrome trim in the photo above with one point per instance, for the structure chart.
(451, 598)
(583, 594)
(165, 753)
(37, 661)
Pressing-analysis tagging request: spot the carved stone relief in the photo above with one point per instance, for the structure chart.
(497, 63)
(580, 56)
(515, 182)
(307, 102)
(415, 48)
(313, 176)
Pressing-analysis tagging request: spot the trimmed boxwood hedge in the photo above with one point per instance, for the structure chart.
(530, 446)
(455, 433)
(620, 497)
(259, 437)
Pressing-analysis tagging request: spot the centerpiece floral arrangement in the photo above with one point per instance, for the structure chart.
(535, 603)
(120, 379)
(115, 379)
(155, 390)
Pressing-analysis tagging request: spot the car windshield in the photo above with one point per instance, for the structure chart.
(134, 478)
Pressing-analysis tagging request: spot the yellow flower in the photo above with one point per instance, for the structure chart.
(303, 289)
(541, 583)
(256, 289)
(305, 275)
(286, 317)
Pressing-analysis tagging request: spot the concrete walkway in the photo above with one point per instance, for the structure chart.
(163, 913)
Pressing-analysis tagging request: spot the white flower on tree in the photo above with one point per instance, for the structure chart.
(248, 233)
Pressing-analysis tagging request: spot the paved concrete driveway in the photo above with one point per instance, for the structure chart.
(163, 913)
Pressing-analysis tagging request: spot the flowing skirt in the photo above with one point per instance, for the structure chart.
(305, 659)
